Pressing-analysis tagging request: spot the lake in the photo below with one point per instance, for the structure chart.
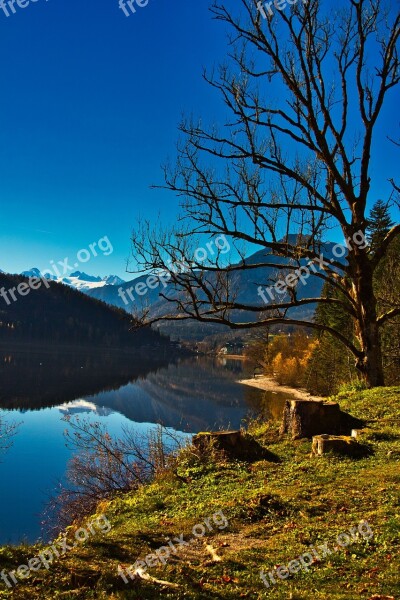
(37, 390)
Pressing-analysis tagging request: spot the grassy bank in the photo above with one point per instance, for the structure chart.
(275, 511)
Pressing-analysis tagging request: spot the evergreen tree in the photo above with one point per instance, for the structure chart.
(387, 289)
(330, 364)
(379, 224)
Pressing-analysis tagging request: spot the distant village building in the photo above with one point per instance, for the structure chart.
(236, 347)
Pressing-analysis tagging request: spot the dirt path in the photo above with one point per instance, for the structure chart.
(263, 382)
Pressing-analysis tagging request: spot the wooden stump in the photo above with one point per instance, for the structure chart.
(223, 440)
(306, 418)
(234, 444)
(337, 444)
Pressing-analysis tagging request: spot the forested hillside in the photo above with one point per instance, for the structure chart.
(61, 315)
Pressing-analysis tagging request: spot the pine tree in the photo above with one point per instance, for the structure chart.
(330, 364)
(387, 289)
(379, 223)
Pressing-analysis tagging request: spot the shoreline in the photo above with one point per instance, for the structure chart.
(268, 384)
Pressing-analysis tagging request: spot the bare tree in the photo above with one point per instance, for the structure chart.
(304, 89)
(103, 466)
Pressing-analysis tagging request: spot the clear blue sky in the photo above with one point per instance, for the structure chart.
(89, 110)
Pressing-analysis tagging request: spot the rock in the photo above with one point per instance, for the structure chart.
(306, 418)
(338, 444)
(356, 433)
(234, 444)
(360, 434)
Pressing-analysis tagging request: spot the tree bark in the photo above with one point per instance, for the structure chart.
(371, 365)
(306, 418)
(368, 333)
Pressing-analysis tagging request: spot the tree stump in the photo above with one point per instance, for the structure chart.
(306, 418)
(234, 444)
(337, 444)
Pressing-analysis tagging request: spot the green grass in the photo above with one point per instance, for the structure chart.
(274, 511)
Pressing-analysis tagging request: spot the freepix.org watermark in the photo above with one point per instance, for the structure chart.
(34, 283)
(219, 245)
(301, 275)
(23, 289)
(316, 554)
(266, 9)
(159, 557)
(60, 547)
(8, 6)
(130, 6)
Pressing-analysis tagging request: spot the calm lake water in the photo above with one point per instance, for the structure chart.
(39, 390)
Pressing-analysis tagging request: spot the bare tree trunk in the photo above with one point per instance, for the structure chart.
(368, 333)
(372, 364)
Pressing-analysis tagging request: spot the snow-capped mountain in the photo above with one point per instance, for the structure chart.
(113, 280)
(85, 277)
(78, 279)
(82, 281)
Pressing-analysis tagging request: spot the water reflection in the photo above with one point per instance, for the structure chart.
(38, 379)
(83, 406)
(267, 405)
(188, 395)
(39, 389)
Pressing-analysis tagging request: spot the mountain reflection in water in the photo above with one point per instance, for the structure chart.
(187, 395)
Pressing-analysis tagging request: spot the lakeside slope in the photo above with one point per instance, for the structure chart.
(274, 512)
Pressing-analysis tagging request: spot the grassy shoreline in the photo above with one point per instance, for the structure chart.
(275, 511)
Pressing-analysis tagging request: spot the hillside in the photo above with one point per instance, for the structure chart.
(273, 512)
(59, 314)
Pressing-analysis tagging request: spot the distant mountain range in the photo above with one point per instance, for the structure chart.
(125, 295)
(78, 280)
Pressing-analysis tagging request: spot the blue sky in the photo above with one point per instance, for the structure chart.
(89, 111)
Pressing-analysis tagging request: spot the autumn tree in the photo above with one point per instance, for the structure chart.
(304, 88)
